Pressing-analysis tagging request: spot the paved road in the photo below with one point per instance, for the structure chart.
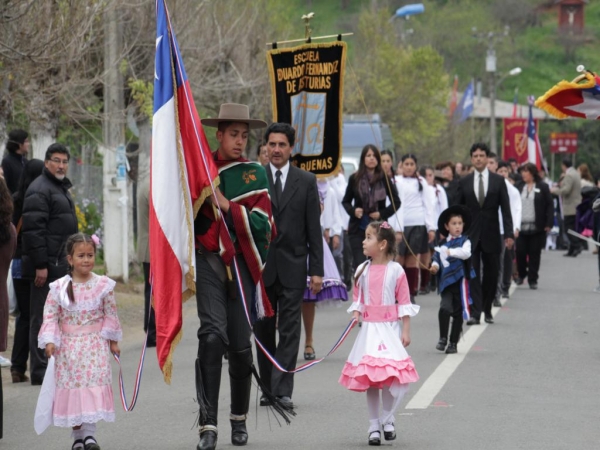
(530, 381)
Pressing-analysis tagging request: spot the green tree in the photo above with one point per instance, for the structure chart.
(400, 83)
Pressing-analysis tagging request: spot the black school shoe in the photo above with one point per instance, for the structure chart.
(90, 443)
(375, 437)
(78, 445)
(441, 345)
(389, 435)
(451, 348)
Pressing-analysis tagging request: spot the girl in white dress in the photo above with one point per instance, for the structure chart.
(378, 361)
(81, 329)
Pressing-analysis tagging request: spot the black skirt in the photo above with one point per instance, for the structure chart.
(417, 238)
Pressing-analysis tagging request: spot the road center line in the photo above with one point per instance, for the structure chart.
(440, 376)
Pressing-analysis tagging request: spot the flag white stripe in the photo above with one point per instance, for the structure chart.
(168, 194)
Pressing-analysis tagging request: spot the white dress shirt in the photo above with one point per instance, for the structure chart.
(284, 173)
(516, 207)
(486, 182)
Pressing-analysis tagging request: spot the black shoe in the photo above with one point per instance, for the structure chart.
(569, 254)
(497, 303)
(78, 445)
(451, 348)
(264, 401)
(519, 280)
(90, 443)
(473, 321)
(533, 286)
(489, 319)
(375, 438)
(286, 402)
(441, 345)
(505, 295)
(576, 252)
(389, 435)
(239, 433)
(208, 438)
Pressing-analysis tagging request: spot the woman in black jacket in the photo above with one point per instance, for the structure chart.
(367, 194)
(537, 219)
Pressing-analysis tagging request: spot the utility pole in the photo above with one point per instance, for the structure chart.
(116, 230)
(490, 67)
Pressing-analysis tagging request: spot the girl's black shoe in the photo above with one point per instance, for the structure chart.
(390, 433)
(78, 445)
(375, 437)
(90, 443)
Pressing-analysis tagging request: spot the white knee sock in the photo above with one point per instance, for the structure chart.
(89, 429)
(373, 406)
(391, 402)
(78, 434)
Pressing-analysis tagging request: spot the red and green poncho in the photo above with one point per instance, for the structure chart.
(245, 184)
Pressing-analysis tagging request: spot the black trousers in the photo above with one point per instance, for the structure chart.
(529, 255)
(451, 307)
(219, 312)
(149, 320)
(287, 304)
(347, 254)
(37, 358)
(20, 350)
(358, 257)
(574, 242)
(507, 269)
(483, 288)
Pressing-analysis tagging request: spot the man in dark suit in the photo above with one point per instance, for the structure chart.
(296, 210)
(483, 192)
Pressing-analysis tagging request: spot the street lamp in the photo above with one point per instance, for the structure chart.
(493, 87)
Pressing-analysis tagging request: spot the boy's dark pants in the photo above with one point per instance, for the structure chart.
(450, 306)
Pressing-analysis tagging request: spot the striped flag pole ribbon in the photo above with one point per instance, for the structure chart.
(138, 376)
(270, 357)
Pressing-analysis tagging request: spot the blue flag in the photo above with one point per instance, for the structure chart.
(465, 107)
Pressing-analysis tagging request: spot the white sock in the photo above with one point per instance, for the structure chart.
(373, 407)
(89, 429)
(78, 434)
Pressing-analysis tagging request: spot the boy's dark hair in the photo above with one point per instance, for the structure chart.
(451, 216)
(283, 128)
(72, 241)
(567, 163)
(56, 148)
(480, 146)
(15, 139)
(502, 164)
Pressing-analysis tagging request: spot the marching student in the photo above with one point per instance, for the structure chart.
(378, 360)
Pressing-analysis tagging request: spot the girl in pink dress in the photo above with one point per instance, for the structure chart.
(80, 328)
(378, 360)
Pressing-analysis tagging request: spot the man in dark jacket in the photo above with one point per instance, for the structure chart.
(17, 147)
(48, 220)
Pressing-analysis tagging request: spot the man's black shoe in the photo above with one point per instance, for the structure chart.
(533, 286)
(473, 321)
(497, 303)
(264, 401)
(519, 281)
(441, 345)
(489, 319)
(451, 348)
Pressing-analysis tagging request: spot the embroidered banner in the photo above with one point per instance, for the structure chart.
(514, 140)
(307, 91)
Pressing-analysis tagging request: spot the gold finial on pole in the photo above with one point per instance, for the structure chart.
(307, 30)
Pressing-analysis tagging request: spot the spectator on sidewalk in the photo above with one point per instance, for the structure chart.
(569, 189)
(17, 147)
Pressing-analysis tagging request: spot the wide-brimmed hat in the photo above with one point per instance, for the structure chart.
(455, 210)
(234, 112)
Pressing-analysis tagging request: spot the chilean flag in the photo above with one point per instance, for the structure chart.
(578, 98)
(181, 174)
(534, 149)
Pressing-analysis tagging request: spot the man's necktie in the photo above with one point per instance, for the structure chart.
(278, 189)
(481, 190)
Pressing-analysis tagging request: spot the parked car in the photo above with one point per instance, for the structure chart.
(359, 130)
